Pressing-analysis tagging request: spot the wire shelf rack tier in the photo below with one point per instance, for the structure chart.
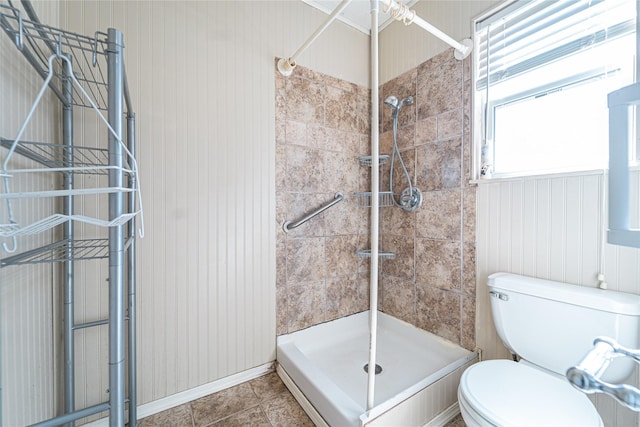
(364, 199)
(368, 160)
(64, 159)
(38, 41)
(61, 251)
(15, 229)
(84, 160)
(366, 253)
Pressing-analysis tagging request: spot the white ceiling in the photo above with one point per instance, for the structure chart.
(357, 13)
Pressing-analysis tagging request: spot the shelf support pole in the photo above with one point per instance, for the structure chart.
(68, 280)
(116, 233)
(131, 279)
(375, 205)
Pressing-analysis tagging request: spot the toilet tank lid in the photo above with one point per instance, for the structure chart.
(599, 299)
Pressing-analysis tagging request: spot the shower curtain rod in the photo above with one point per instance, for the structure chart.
(286, 66)
(399, 12)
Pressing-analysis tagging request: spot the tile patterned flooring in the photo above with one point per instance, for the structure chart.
(261, 402)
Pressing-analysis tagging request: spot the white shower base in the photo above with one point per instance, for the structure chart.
(417, 386)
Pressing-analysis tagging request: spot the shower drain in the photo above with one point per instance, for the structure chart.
(378, 368)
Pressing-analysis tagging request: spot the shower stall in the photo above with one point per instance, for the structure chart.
(327, 366)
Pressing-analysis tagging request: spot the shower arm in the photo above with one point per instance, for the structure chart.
(286, 66)
(400, 12)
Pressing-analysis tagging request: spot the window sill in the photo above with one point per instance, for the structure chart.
(541, 175)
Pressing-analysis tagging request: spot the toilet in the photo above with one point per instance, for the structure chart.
(550, 326)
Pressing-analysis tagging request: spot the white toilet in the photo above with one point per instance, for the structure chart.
(550, 326)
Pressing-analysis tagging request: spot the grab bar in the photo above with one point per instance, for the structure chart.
(585, 376)
(288, 226)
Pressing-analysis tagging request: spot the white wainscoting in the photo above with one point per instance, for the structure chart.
(27, 314)
(550, 227)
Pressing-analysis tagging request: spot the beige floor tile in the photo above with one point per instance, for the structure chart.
(456, 422)
(180, 416)
(253, 417)
(268, 386)
(284, 411)
(261, 402)
(215, 407)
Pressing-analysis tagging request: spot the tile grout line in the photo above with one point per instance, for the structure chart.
(233, 415)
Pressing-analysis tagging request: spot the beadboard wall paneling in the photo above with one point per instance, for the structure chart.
(28, 313)
(405, 47)
(551, 228)
(202, 81)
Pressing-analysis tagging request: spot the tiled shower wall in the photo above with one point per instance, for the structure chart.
(322, 126)
(431, 281)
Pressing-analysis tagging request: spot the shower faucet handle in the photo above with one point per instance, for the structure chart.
(410, 202)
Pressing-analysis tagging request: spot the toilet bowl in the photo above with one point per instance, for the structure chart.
(507, 393)
(550, 326)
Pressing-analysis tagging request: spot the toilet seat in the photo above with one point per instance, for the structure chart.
(507, 393)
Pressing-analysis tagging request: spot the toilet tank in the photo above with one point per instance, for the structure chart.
(553, 324)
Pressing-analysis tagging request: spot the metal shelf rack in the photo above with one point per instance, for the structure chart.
(87, 72)
(365, 200)
(57, 156)
(368, 160)
(81, 250)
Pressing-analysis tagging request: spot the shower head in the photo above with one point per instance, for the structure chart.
(392, 101)
(396, 105)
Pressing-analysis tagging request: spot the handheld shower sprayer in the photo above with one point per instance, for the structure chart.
(411, 197)
(391, 101)
(396, 105)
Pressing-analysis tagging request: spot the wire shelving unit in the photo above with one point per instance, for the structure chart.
(82, 72)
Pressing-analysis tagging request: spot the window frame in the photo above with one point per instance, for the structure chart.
(483, 111)
(563, 83)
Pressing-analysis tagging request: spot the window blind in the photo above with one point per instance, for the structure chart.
(528, 34)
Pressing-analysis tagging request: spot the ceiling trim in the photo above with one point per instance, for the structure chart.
(355, 13)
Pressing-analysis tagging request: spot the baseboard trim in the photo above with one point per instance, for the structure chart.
(445, 416)
(178, 399)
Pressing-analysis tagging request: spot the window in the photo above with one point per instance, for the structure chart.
(543, 72)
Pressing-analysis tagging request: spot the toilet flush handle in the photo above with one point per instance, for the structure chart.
(585, 376)
(499, 295)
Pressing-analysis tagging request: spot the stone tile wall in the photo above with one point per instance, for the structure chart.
(431, 282)
(322, 126)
